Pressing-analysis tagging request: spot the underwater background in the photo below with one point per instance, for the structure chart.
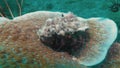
(83, 8)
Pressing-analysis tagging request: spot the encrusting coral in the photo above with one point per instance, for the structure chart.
(87, 40)
(23, 40)
(20, 46)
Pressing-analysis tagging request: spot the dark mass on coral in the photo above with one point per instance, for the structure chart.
(70, 42)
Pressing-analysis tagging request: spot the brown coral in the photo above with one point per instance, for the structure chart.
(20, 47)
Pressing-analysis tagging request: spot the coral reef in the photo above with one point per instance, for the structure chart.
(20, 45)
(22, 40)
(109, 9)
(94, 50)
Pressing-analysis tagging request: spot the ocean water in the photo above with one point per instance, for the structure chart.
(82, 8)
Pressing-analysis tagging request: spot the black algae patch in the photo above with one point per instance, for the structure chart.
(70, 43)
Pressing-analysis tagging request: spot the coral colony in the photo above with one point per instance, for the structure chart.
(85, 40)
(74, 35)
